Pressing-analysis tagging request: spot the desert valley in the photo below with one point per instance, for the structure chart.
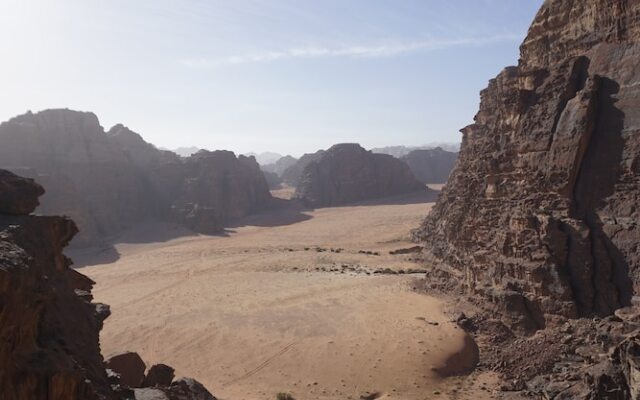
(506, 267)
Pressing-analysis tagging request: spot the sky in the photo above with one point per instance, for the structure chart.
(290, 76)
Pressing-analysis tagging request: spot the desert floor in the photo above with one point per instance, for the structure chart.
(287, 301)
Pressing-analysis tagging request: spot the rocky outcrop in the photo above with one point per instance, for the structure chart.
(347, 173)
(280, 165)
(291, 175)
(108, 181)
(540, 217)
(18, 196)
(216, 187)
(48, 323)
(431, 165)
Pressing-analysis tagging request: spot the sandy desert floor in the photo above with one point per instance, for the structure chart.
(287, 301)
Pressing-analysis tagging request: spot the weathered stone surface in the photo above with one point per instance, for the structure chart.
(159, 375)
(108, 181)
(49, 346)
(48, 323)
(540, 216)
(431, 165)
(18, 195)
(348, 173)
(129, 366)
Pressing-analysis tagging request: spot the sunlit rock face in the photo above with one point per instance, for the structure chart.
(109, 181)
(540, 215)
(347, 173)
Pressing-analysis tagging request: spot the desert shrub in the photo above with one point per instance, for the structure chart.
(284, 396)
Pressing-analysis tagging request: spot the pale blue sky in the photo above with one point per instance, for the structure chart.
(289, 76)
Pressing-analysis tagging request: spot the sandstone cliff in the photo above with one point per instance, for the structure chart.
(540, 214)
(48, 323)
(539, 221)
(431, 165)
(217, 187)
(107, 181)
(347, 173)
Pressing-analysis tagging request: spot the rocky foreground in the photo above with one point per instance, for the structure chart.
(48, 323)
(539, 222)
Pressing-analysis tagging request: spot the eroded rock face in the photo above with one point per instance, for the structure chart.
(347, 173)
(431, 165)
(540, 215)
(108, 181)
(48, 323)
(217, 187)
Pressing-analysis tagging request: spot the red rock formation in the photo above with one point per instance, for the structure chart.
(347, 173)
(431, 165)
(540, 216)
(49, 327)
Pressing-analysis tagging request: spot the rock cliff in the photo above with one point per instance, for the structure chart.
(539, 221)
(48, 323)
(107, 181)
(216, 187)
(431, 165)
(540, 215)
(347, 173)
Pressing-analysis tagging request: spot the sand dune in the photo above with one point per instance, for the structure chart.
(270, 309)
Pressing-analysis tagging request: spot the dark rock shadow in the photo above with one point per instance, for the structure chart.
(599, 172)
(279, 213)
(423, 196)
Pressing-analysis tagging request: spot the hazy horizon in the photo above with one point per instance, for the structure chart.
(252, 76)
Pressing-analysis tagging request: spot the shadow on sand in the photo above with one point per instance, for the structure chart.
(280, 212)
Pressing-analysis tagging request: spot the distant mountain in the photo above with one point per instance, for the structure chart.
(265, 158)
(279, 166)
(431, 165)
(400, 151)
(186, 151)
(347, 173)
(109, 181)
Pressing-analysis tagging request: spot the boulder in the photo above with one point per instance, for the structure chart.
(159, 375)
(129, 366)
